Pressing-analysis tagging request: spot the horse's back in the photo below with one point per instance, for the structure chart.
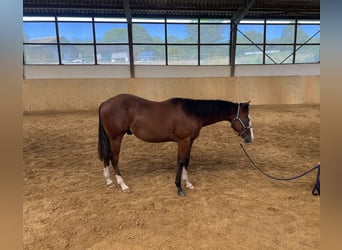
(122, 98)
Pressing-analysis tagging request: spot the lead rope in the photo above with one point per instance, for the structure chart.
(316, 189)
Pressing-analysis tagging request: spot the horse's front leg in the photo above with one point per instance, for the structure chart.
(186, 178)
(180, 164)
(184, 149)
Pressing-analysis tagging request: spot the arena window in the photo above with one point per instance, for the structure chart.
(168, 41)
(278, 42)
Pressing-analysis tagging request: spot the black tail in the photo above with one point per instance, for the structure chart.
(104, 150)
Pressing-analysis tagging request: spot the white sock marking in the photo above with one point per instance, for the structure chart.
(186, 179)
(121, 182)
(106, 175)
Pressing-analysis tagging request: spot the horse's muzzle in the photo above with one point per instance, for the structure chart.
(247, 139)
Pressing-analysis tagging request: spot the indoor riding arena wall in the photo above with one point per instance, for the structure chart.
(75, 94)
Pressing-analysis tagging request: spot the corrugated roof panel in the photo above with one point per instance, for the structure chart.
(159, 8)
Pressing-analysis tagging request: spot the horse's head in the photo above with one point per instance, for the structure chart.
(242, 123)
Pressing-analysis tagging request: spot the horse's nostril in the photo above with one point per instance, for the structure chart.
(248, 139)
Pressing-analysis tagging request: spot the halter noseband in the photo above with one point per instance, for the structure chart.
(237, 118)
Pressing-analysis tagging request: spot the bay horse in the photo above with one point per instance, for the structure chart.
(176, 119)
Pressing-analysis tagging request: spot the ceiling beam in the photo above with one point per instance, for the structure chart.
(128, 11)
(128, 14)
(242, 11)
(237, 17)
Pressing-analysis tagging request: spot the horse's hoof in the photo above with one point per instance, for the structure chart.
(111, 184)
(181, 193)
(126, 190)
(190, 186)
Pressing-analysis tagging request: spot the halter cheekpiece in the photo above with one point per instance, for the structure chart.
(237, 118)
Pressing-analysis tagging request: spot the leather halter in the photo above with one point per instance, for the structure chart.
(237, 118)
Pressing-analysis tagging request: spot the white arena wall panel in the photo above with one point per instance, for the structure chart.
(84, 93)
(154, 71)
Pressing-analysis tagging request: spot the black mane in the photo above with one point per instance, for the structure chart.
(206, 109)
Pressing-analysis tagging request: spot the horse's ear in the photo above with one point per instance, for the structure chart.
(245, 106)
(246, 103)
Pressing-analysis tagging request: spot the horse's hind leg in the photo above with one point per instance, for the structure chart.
(106, 175)
(106, 172)
(115, 145)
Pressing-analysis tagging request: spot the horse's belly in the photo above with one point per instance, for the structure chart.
(151, 136)
(152, 132)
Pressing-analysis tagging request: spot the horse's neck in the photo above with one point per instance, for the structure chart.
(207, 121)
(227, 114)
